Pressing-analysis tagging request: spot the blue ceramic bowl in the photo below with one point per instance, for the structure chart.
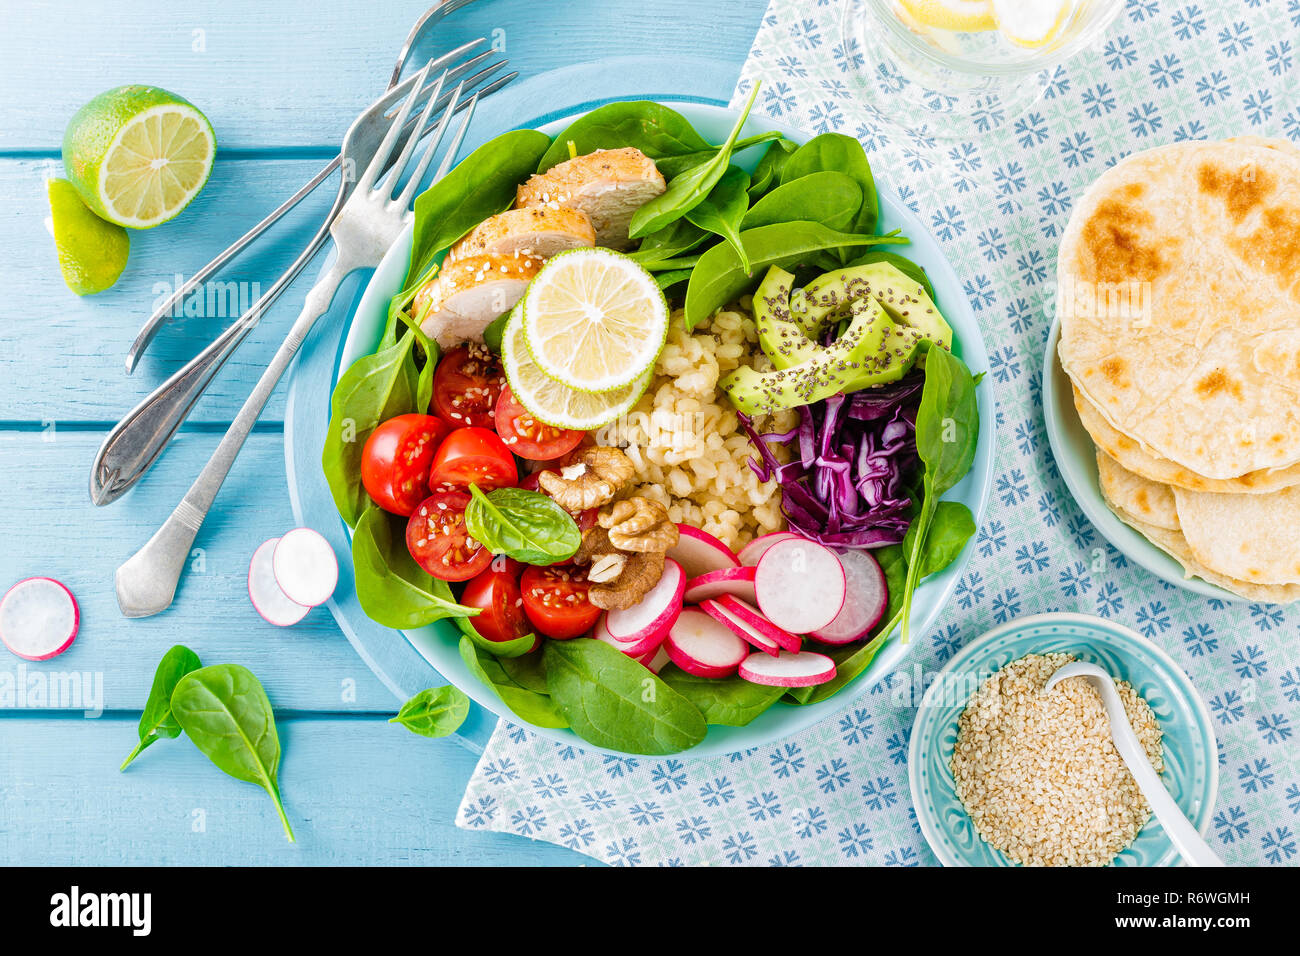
(1190, 750)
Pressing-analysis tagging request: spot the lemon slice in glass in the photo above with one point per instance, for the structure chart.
(1031, 23)
(553, 402)
(594, 320)
(962, 16)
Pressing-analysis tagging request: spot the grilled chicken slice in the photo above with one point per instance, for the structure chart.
(538, 231)
(608, 185)
(463, 299)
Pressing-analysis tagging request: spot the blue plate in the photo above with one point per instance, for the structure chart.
(1190, 749)
(437, 644)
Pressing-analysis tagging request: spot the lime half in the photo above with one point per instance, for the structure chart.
(138, 154)
(92, 252)
(594, 320)
(553, 402)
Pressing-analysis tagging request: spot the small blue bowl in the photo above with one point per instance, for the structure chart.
(1190, 749)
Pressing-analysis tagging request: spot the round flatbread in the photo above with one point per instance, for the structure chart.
(1248, 537)
(1179, 299)
(1147, 500)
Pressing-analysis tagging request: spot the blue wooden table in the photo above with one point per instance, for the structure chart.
(280, 83)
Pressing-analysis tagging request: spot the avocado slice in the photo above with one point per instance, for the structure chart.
(905, 299)
(784, 340)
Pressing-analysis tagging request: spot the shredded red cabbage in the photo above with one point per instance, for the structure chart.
(846, 487)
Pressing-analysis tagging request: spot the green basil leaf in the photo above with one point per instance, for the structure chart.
(525, 525)
(729, 701)
(436, 712)
(529, 706)
(157, 720)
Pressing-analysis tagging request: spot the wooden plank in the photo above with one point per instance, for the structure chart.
(357, 792)
(268, 75)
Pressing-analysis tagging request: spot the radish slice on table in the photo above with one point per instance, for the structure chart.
(39, 619)
(269, 601)
(702, 646)
(748, 634)
(802, 669)
(305, 567)
(714, 584)
(645, 623)
(699, 552)
(800, 585)
(865, 600)
(751, 617)
(750, 553)
(655, 662)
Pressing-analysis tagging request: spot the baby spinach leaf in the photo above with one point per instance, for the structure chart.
(767, 173)
(532, 707)
(612, 701)
(828, 197)
(850, 661)
(224, 711)
(653, 128)
(672, 240)
(666, 280)
(515, 648)
(842, 154)
(435, 712)
(730, 701)
(526, 670)
(525, 525)
(495, 330)
(157, 720)
(901, 263)
(373, 390)
(723, 209)
(671, 166)
(950, 528)
(392, 589)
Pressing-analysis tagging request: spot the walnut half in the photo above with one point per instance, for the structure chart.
(638, 524)
(593, 478)
(637, 571)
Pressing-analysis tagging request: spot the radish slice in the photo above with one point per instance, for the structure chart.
(752, 617)
(648, 621)
(655, 662)
(788, 670)
(750, 635)
(39, 619)
(644, 647)
(305, 567)
(865, 600)
(704, 647)
(269, 601)
(750, 553)
(737, 581)
(699, 552)
(800, 585)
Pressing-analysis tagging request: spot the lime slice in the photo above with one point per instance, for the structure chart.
(964, 16)
(553, 402)
(1031, 23)
(92, 253)
(138, 154)
(594, 320)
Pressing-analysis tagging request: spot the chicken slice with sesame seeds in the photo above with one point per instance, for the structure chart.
(608, 185)
(463, 299)
(538, 231)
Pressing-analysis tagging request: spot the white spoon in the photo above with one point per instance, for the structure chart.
(1181, 833)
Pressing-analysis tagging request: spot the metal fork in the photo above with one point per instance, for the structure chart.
(365, 228)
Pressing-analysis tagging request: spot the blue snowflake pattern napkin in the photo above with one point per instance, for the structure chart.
(838, 793)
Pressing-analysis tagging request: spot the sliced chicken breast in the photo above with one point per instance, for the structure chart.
(463, 299)
(608, 185)
(538, 231)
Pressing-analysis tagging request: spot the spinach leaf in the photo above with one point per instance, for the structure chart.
(495, 330)
(666, 280)
(828, 197)
(767, 173)
(612, 701)
(950, 528)
(525, 525)
(730, 701)
(672, 240)
(719, 277)
(392, 589)
(224, 711)
(650, 127)
(671, 166)
(901, 263)
(373, 390)
(530, 706)
(723, 209)
(842, 154)
(517, 647)
(157, 720)
(526, 670)
(435, 712)
(483, 184)
(850, 661)
(688, 189)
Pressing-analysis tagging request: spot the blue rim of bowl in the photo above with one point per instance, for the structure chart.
(1065, 433)
(1185, 689)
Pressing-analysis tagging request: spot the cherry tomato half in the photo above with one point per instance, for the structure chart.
(396, 460)
(466, 386)
(496, 592)
(439, 542)
(528, 437)
(472, 456)
(555, 600)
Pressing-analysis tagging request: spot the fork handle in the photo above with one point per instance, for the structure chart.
(146, 582)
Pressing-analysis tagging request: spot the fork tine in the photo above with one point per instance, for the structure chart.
(449, 57)
(417, 131)
(367, 179)
(449, 158)
(404, 200)
(458, 71)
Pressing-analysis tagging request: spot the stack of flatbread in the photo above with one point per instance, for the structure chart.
(1179, 303)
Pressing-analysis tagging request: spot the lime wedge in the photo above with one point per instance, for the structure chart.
(138, 154)
(92, 252)
(594, 320)
(1031, 23)
(553, 402)
(963, 16)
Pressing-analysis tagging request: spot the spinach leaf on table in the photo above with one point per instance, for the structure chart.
(157, 721)
(224, 711)
(728, 701)
(841, 154)
(830, 198)
(435, 712)
(723, 209)
(525, 525)
(612, 701)
(528, 705)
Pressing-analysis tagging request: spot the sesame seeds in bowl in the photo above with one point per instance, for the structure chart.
(1015, 752)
